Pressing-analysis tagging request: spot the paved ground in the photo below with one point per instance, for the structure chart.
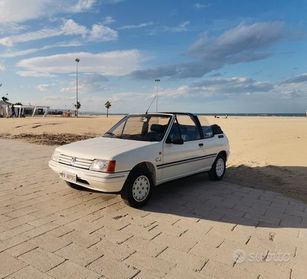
(192, 228)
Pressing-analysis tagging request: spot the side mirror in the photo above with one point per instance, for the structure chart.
(175, 141)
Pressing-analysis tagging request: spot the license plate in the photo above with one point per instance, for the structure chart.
(69, 176)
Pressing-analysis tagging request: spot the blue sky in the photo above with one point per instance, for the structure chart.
(210, 56)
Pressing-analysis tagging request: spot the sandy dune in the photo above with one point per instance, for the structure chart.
(266, 152)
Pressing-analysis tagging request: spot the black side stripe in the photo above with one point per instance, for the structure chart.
(190, 160)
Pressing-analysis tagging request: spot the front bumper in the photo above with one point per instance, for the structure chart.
(98, 181)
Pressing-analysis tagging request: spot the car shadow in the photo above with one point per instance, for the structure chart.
(253, 196)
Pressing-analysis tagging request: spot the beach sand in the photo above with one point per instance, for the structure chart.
(268, 153)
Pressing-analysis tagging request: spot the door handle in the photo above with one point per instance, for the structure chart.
(200, 144)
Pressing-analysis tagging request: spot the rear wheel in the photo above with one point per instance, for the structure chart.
(218, 168)
(137, 189)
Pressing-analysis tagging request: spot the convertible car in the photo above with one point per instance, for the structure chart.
(142, 151)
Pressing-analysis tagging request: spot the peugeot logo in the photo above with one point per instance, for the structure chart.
(73, 161)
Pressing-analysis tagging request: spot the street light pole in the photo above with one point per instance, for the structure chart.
(157, 93)
(77, 89)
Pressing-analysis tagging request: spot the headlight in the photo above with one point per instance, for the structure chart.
(56, 155)
(103, 165)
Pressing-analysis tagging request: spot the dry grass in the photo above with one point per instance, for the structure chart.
(48, 139)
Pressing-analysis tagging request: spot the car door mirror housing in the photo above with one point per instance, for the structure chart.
(175, 141)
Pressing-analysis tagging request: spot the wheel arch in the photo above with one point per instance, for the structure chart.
(223, 153)
(147, 166)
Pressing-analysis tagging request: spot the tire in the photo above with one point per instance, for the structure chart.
(137, 188)
(218, 168)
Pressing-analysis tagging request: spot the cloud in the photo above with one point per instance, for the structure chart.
(108, 20)
(88, 83)
(233, 86)
(236, 88)
(43, 87)
(241, 44)
(182, 27)
(136, 26)
(292, 88)
(113, 63)
(102, 33)
(15, 53)
(11, 28)
(111, 1)
(83, 5)
(16, 11)
(69, 28)
(297, 79)
(31, 36)
(201, 6)
(207, 95)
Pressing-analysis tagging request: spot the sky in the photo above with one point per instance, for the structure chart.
(211, 56)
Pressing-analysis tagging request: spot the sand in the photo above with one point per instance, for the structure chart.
(269, 153)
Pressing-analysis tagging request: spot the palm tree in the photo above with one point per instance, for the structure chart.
(78, 105)
(107, 106)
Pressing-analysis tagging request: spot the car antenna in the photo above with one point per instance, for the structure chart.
(153, 99)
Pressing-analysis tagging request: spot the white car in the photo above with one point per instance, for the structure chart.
(142, 151)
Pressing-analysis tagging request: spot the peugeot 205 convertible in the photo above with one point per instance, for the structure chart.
(142, 151)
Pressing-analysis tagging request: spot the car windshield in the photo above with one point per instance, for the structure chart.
(146, 127)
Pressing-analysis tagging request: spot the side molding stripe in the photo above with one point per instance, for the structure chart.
(190, 160)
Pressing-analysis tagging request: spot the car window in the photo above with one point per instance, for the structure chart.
(208, 132)
(206, 127)
(140, 127)
(174, 133)
(188, 128)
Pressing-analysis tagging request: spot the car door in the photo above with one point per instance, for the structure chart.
(185, 158)
(211, 145)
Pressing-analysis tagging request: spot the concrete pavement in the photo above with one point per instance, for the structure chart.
(192, 228)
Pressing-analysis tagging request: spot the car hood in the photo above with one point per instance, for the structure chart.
(101, 147)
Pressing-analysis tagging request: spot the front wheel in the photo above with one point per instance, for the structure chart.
(137, 189)
(218, 168)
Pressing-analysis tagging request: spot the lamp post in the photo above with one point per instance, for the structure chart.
(157, 93)
(77, 73)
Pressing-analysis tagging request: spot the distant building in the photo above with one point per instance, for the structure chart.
(22, 110)
(5, 109)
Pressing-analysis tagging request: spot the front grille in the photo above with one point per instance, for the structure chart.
(75, 162)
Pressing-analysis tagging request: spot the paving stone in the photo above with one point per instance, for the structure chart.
(21, 248)
(112, 268)
(41, 259)
(9, 264)
(150, 248)
(156, 266)
(15, 231)
(72, 270)
(49, 242)
(79, 254)
(184, 260)
(183, 273)
(82, 238)
(115, 236)
(115, 251)
(29, 272)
